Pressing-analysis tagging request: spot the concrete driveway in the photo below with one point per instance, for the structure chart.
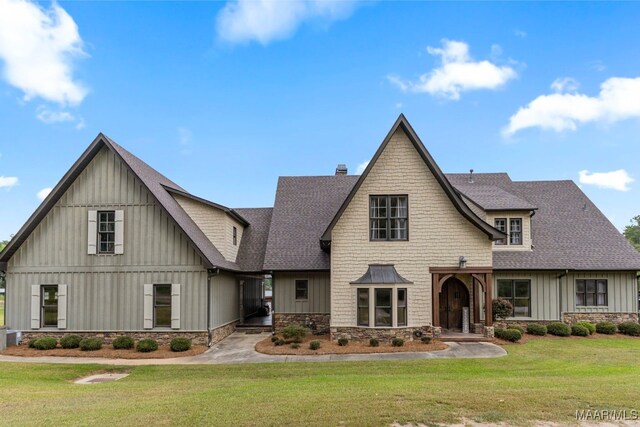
(239, 348)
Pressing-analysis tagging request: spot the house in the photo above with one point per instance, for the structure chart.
(401, 250)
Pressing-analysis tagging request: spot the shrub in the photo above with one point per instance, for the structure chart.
(579, 331)
(274, 338)
(607, 328)
(278, 342)
(426, 340)
(559, 329)
(343, 341)
(512, 335)
(397, 342)
(180, 344)
(91, 344)
(590, 326)
(147, 345)
(536, 329)
(32, 343)
(630, 328)
(519, 328)
(294, 333)
(373, 342)
(502, 308)
(46, 343)
(295, 345)
(123, 343)
(314, 345)
(70, 341)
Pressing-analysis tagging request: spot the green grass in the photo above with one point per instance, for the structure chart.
(545, 379)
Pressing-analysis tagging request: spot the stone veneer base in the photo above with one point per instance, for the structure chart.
(386, 334)
(317, 322)
(573, 317)
(162, 337)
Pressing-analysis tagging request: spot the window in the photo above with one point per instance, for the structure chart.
(162, 306)
(501, 224)
(515, 236)
(106, 232)
(591, 292)
(49, 305)
(402, 307)
(235, 236)
(384, 309)
(388, 218)
(518, 292)
(302, 290)
(363, 307)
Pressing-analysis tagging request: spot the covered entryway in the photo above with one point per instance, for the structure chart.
(454, 296)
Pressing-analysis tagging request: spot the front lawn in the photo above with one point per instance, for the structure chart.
(544, 379)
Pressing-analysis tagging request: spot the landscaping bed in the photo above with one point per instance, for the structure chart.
(163, 352)
(327, 346)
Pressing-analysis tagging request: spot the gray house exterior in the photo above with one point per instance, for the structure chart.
(117, 248)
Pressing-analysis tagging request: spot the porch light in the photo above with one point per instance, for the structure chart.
(462, 262)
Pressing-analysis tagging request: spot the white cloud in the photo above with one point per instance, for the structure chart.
(458, 72)
(42, 194)
(619, 99)
(47, 116)
(565, 84)
(242, 21)
(520, 33)
(615, 180)
(8, 181)
(361, 167)
(38, 47)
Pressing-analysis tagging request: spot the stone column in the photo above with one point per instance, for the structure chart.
(3, 338)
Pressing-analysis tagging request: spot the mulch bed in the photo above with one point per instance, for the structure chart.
(353, 347)
(163, 352)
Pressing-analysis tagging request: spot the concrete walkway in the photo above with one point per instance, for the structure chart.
(239, 348)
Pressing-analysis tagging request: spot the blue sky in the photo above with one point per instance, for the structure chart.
(223, 97)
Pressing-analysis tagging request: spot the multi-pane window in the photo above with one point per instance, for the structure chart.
(106, 232)
(384, 307)
(302, 289)
(162, 306)
(402, 307)
(388, 217)
(363, 307)
(235, 236)
(501, 224)
(518, 292)
(515, 232)
(49, 305)
(591, 292)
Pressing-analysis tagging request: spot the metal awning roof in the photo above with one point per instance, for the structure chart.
(381, 274)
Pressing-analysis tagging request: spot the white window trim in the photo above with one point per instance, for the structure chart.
(372, 302)
(508, 232)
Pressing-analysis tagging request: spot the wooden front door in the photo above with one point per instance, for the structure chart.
(453, 297)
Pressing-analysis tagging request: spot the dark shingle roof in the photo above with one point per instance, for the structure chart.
(378, 274)
(568, 230)
(493, 198)
(254, 238)
(303, 209)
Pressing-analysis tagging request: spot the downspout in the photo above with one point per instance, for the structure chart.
(211, 273)
(273, 303)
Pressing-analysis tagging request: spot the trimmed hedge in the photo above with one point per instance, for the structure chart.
(91, 344)
(314, 345)
(373, 342)
(536, 329)
(559, 329)
(606, 328)
(343, 341)
(45, 343)
(70, 341)
(180, 344)
(590, 326)
(517, 328)
(512, 335)
(426, 340)
(147, 345)
(123, 343)
(278, 342)
(294, 333)
(629, 328)
(397, 342)
(580, 331)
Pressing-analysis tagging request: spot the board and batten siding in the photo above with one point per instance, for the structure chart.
(621, 289)
(284, 293)
(105, 292)
(225, 299)
(438, 235)
(544, 292)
